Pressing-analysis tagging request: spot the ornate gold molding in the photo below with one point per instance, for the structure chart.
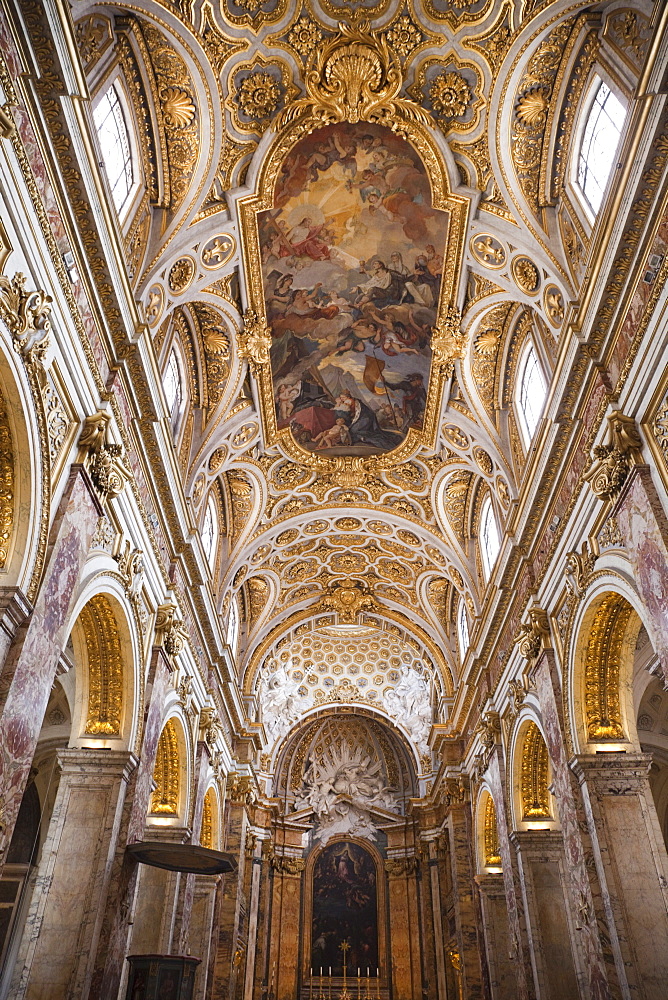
(103, 460)
(491, 837)
(206, 829)
(105, 668)
(534, 636)
(166, 773)
(612, 461)
(534, 776)
(602, 668)
(6, 484)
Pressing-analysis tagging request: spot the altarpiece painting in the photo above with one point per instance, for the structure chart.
(345, 908)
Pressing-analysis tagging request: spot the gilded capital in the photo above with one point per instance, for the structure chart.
(170, 633)
(25, 313)
(103, 460)
(612, 461)
(534, 635)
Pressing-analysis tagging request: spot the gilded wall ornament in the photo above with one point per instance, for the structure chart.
(534, 776)
(217, 251)
(533, 636)
(166, 773)
(105, 667)
(612, 461)
(155, 303)
(7, 484)
(258, 89)
(5, 247)
(526, 274)
(304, 37)
(553, 302)
(25, 313)
(449, 91)
(94, 35)
(181, 275)
(629, 32)
(488, 251)
(259, 95)
(253, 14)
(491, 837)
(178, 108)
(607, 642)
(103, 460)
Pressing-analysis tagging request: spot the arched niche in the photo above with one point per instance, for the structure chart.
(601, 702)
(533, 804)
(487, 838)
(103, 673)
(210, 829)
(168, 805)
(344, 899)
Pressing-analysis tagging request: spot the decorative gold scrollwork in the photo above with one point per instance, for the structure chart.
(25, 313)
(534, 635)
(170, 633)
(355, 77)
(254, 341)
(612, 461)
(103, 460)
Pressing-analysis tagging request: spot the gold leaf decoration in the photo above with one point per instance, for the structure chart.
(532, 106)
(449, 95)
(177, 107)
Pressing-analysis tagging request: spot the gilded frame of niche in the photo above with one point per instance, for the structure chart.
(406, 118)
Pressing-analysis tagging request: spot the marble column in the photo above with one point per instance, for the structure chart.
(187, 887)
(230, 909)
(518, 950)
(405, 947)
(631, 862)
(65, 917)
(437, 919)
(201, 929)
(285, 937)
(254, 902)
(155, 927)
(597, 952)
(502, 978)
(643, 525)
(29, 668)
(458, 825)
(112, 950)
(550, 925)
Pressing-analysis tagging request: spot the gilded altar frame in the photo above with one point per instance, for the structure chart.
(355, 78)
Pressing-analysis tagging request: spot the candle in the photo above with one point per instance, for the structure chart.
(378, 983)
(310, 991)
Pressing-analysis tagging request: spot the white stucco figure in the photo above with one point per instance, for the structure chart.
(281, 702)
(342, 790)
(409, 703)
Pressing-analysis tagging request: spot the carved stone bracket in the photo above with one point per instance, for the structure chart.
(489, 730)
(398, 867)
(209, 725)
(287, 866)
(131, 568)
(534, 636)
(240, 788)
(612, 461)
(102, 459)
(170, 633)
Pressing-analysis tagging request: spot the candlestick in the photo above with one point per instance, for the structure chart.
(377, 984)
(310, 991)
(358, 983)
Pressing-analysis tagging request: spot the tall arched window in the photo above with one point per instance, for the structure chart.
(462, 629)
(232, 636)
(490, 543)
(600, 139)
(173, 388)
(115, 145)
(531, 392)
(209, 529)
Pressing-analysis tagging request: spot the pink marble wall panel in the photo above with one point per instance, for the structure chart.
(516, 930)
(562, 780)
(644, 527)
(29, 670)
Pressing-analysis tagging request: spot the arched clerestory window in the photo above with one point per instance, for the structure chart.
(210, 531)
(114, 138)
(598, 146)
(490, 543)
(462, 629)
(530, 394)
(172, 384)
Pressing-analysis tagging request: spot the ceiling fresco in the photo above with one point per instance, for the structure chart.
(356, 214)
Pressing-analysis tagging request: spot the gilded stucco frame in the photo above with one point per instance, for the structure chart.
(381, 106)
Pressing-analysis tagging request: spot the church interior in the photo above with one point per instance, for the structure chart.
(333, 500)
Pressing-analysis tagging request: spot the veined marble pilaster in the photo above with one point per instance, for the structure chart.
(29, 668)
(518, 950)
(113, 942)
(600, 962)
(550, 926)
(459, 828)
(631, 862)
(404, 922)
(644, 527)
(66, 910)
(187, 888)
(502, 977)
